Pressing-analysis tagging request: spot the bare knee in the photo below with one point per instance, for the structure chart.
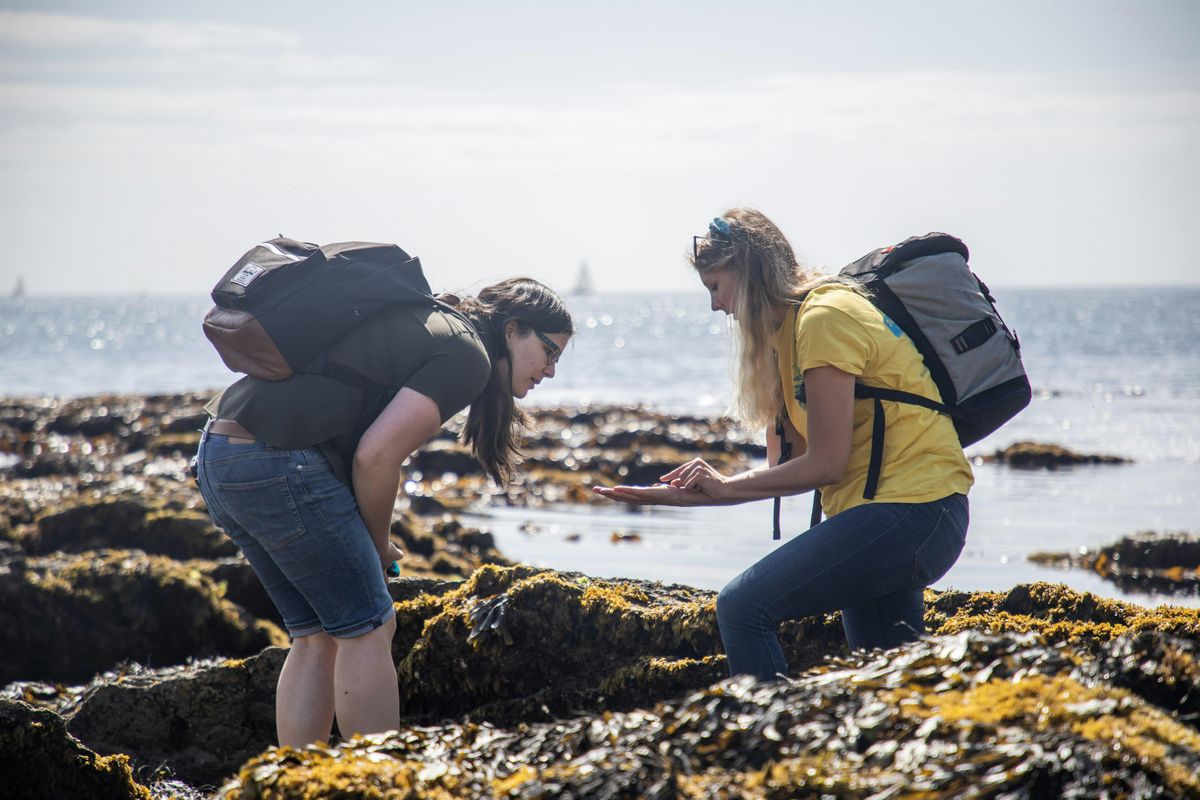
(382, 635)
(319, 646)
(314, 641)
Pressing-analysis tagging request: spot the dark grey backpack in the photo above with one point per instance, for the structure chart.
(285, 302)
(924, 285)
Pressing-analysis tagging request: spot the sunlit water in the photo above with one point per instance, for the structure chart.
(1115, 371)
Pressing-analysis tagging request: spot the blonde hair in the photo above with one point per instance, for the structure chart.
(768, 275)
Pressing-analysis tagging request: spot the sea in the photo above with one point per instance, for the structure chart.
(1114, 371)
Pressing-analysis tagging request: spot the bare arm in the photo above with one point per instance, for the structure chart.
(407, 421)
(821, 461)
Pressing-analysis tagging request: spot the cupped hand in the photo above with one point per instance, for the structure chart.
(662, 494)
(699, 475)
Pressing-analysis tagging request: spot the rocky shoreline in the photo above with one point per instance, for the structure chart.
(140, 654)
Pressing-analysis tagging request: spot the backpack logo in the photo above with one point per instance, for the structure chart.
(247, 273)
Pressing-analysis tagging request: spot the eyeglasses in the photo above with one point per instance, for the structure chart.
(553, 351)
(724, 244)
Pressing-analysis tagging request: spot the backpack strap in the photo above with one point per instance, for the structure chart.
(351, 377)
(785, 452)
(876, 394)
(879, 425)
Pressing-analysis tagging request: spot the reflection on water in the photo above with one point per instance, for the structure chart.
(1013, 513)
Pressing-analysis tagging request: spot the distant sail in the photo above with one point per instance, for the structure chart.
(583, 284)
(19, 290)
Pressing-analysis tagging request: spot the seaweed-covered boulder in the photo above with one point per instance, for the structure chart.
(1059, 613)
(1148, 562)
(129, 523)
(519, 643)
(66, 618)
(200, 720)
(1033, 455)
(39, 759)
(966, 715)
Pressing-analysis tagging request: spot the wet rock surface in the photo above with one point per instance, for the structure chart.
(1033, 455)
(1148, 563)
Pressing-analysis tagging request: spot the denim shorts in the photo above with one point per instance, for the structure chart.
(300, 529)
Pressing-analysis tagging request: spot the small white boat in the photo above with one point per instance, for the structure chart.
(583, 284)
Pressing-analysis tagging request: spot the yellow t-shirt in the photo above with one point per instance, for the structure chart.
(922, 458)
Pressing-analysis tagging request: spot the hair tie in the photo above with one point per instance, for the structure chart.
(721, 227)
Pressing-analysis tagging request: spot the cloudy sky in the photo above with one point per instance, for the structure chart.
(145, 145)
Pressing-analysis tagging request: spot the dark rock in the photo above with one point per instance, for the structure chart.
(1032, 455)
(202, 720)
(40, 760)
(242, 586)
(89, 527)
(129, 524)
(1148, 563)
(66, 618)
(185, 423)
(436, 462)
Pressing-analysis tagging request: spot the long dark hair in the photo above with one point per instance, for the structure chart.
(495, 423)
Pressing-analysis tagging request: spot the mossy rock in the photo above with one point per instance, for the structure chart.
(39, 760)
(1055, 611)
(129, 523)
(965, 715)
(521, 643)
(68, 617)
(200, 720)
(89, 526)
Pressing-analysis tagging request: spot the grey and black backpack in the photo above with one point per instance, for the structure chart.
(926, 287)
(285, 302)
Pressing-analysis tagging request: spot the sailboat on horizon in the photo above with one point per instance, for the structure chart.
(19, 290)
(583, 283)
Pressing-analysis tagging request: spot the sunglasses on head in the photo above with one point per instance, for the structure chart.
(726, 246)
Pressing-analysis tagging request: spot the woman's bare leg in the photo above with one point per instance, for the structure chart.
(367, 695)
(304, 696)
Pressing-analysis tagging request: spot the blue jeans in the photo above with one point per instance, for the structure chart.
(872, 562)
(300, 529)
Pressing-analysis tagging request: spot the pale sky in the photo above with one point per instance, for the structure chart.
(145, 145)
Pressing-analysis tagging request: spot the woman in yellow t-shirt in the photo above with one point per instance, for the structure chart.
(804, 340)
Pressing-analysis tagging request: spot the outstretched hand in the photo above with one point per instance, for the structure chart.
(695, 483)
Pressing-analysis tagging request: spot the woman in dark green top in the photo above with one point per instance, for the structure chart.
(302, 474)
